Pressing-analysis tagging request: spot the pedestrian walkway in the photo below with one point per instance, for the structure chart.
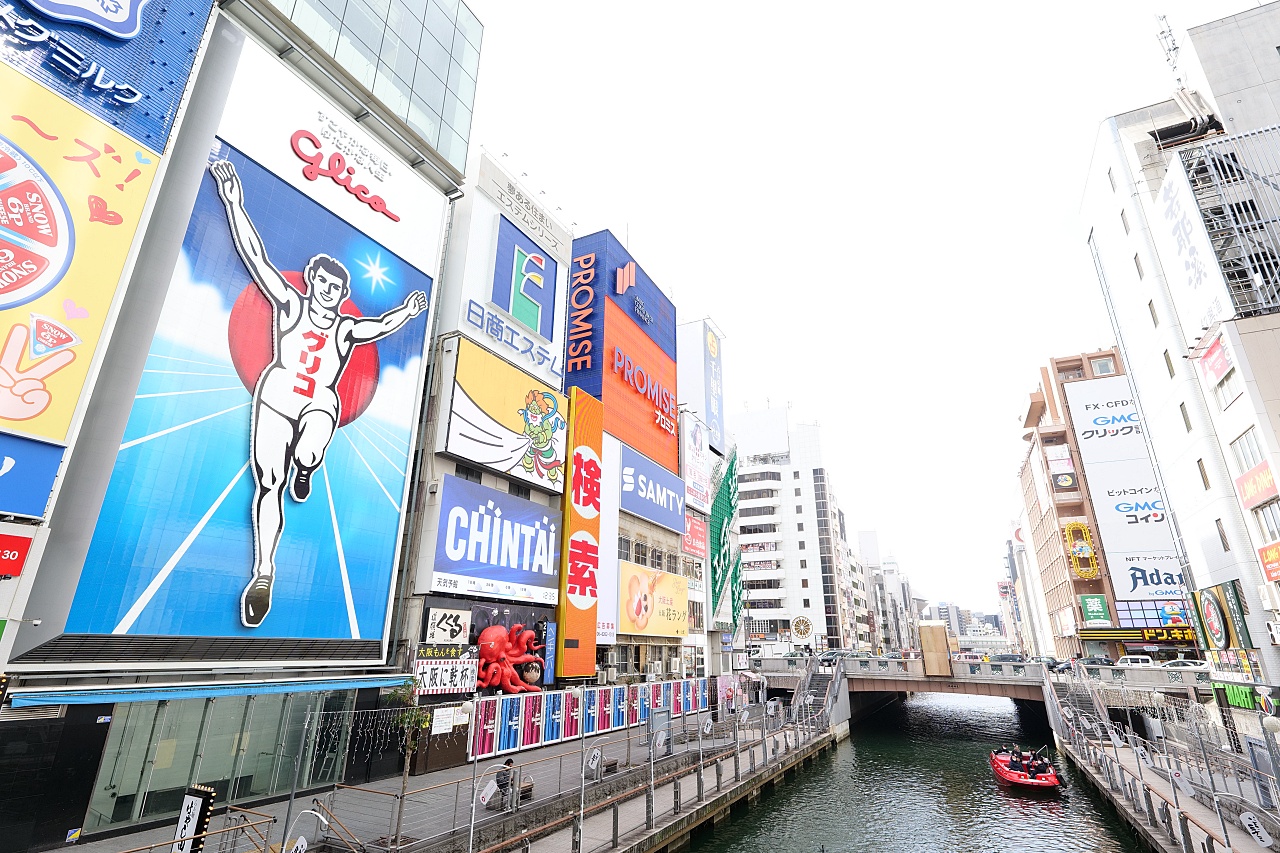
(1166, 800)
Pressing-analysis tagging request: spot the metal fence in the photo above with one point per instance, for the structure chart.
(243, 831)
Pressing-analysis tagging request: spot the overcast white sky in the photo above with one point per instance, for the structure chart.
(877, 202)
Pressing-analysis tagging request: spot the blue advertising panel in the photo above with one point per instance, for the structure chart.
(651, 491)
(524, 280)
(248, 394)
(644, 704)
(27, 472)
(589, 703)
(494, 544)
(703, 698)
(553, 722)
(509, 722)
(618, 277)
(666, 695)
(127, 68)
(619, 707)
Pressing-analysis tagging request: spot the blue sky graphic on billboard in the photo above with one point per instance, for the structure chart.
(633, 291)
(651, 491)
(494, 544)
(117, 61)
(232, 437)
(524, 280)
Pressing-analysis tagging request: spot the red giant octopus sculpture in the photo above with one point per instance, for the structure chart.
(501, 651)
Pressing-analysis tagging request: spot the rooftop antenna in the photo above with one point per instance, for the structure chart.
(1170, 45)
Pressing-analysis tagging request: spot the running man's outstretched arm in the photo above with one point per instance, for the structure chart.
(363, 331)
(245, 236)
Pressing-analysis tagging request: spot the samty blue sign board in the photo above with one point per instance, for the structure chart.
(651, 491)
(126, 62)
(494, 544)
(27, 471)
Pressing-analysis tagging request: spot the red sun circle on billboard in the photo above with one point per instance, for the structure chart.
(250, 339)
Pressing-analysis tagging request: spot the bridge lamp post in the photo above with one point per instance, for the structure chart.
(597, 755)
(1271, 725)
(471, 835)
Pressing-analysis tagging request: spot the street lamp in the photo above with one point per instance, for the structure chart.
(471, 835)
(582, 792)
(301, 845)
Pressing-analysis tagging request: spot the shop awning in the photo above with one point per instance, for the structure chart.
(147, 693)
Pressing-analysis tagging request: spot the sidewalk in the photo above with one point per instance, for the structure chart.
(441, 800)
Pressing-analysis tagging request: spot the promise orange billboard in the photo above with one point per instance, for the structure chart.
(576, 640)
(638, 387)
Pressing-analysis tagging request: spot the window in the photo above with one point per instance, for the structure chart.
(1222, 534)
(1204, 475)
(799, 509)
(695, 616)
(1168, 363)
(800, 526)
(1155, 320)
(804, 564)
(1112, 180)
(1226, 391)
(795, 475)
(757, 494)
(754, 529)
(1268, 517)
(804, 582)
(518, 490)
(1138, 263)
(1186, 419)
(797, 493)
(801, 544)
(759, 477)
(655, 557)
(1124, 220)
(466, 472)
(673, 564)
(624, 548)
(1103, 366)
(805, 602)
(640, 555)
(748, 512)
(1246, 451)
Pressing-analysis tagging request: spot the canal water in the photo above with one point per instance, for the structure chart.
(914, 777)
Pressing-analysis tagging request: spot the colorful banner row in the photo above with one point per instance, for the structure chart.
(509, 723)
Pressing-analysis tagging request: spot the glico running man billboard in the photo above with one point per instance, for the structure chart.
(259, 487)
(622, 347)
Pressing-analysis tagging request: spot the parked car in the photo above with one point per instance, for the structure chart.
(1008, 659)
(1136, 660)
(967, 657)
(1096, 660)
(892, 655)
(1184, 663)
(1048, 660)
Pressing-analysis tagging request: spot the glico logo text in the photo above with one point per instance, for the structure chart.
(582, 297)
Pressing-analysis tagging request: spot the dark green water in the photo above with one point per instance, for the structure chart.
(915, 777)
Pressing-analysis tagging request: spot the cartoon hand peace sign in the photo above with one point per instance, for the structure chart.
(23, 394)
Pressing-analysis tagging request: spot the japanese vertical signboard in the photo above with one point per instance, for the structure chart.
(695, 463)
(724, 508)
(1132, 519)
(714, 368)
(580, 573)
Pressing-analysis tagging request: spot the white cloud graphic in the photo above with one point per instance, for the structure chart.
(194, 314)
(393, 403)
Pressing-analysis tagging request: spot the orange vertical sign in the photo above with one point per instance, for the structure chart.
(576, 642)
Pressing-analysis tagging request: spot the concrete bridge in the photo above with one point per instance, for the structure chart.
(1023, 681)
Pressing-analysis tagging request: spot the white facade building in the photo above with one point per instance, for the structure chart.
(1179, 214)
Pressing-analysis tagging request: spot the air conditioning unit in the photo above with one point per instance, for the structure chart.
(611, 657)
(653, 667)
(602, 678)
(1270, 596)
(611, 674)
(1273, 628)
(676, 665)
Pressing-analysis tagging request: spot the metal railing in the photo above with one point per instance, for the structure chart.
(243, 831)
(698, 752)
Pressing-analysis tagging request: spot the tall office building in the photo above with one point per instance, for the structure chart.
(1179, 217)
(795, 557)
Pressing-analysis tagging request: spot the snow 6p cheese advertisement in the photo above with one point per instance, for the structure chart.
(654, 603)
(259, 487)
(72, 190)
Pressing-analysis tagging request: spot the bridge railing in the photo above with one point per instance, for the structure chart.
(1032, 673)
(1139, 676)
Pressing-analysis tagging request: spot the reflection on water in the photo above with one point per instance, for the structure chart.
(915, 778)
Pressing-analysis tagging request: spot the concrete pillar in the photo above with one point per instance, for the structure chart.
(675, 790)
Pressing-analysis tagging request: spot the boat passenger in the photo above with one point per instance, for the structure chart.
(1015, 762)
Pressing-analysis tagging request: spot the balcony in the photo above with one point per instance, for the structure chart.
(767, 594)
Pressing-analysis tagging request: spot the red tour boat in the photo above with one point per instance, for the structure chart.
(1046, 778)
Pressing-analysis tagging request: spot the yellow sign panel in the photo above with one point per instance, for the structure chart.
(72, 190)
(654, 603)
(505, 419)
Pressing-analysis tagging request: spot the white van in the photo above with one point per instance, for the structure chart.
(1135, 660)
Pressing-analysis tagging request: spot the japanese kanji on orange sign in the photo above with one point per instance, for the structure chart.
(576, 638)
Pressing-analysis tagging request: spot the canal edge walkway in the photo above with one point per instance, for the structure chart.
(1154, 796)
